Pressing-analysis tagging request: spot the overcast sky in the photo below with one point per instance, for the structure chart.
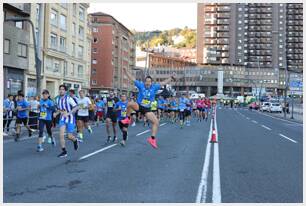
(150, 16)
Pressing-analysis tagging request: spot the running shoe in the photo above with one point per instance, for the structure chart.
(152, 142)
(17, 137)
(134, 124)
(81, 136)
(127, 120)
(115, 139)
(40, 149)
(108, 140)
(49, 140)
(30, 133)
(63, 154)
(53, 142)
(89, 130)
(76, 144)
(122, 143)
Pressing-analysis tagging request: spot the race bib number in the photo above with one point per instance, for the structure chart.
(82, 106)
(110, 104)
(123, 113)
(145, 102)
(43, 115)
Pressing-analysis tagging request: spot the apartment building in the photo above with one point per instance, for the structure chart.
(64, 38)
(266, 38)
(16, 39)
(113, 48)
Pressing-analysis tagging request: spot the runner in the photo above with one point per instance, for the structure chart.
(121, 107)
(173, 109)
(182, 106)
(111, 117)
(22, 116)
(46, 107)
(146, 95)
(67, 108)
(161, 107)
(200, 105)
(83, 114)
(100, 110)
(188, 111)
(8, 112)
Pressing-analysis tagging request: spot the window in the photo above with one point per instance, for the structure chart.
(53, 41)
(81, 32)
(80, 70)
(63, 44)
(19, 24)
(63, 22)
(72, 69)
(74, 9)
(81, 13)
(53, 17)
(73, 49)
(94, 61)
(95, 39)
(7, 46)
(56, 67)
(73, 29)
(94, 71)
(95, 29)
(37, 14)
(80, 52)
(94, 50)
(22, 50)
(94, 82)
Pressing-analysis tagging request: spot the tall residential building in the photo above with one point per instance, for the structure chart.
(294, 37)
(254, 35)
(113, 48)
(16, 39)
(64, 38)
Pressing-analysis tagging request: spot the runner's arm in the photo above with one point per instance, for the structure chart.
(129, 75)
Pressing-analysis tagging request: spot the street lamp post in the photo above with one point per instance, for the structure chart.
(37, 60)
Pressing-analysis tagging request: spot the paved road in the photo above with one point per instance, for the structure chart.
(253, 164)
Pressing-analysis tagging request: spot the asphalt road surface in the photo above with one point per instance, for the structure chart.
(257, 159)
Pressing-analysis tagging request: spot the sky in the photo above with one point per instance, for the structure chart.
(150, 16)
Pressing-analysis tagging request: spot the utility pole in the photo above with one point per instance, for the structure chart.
(37, 59)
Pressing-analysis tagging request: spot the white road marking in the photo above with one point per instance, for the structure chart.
(143, 132)
(288, 138)
(266, 127)
(201, 196)
(254, 121)
(98, 151)
(162, 124)
(216, 187)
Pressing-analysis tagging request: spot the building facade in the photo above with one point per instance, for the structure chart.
(16, 39)
(113, 48)
(266, 38)
(157, 60)
(64, 40)
(254, 35)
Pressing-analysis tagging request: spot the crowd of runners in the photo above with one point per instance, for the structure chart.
(75, 114)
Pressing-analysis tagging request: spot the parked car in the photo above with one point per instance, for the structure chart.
(264, 107)
(275, 107)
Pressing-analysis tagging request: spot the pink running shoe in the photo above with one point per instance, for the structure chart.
(152, 142)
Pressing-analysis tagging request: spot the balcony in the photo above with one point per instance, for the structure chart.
(210, 22)
(223, 15)
(225, 54)
(223, 35)
(223, 41)
(210, 9)
(224, 9)
(223, 21)
(223, 28)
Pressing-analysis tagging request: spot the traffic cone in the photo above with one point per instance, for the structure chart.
(213, 136)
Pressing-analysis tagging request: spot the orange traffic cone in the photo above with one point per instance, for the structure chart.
(213, 136)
